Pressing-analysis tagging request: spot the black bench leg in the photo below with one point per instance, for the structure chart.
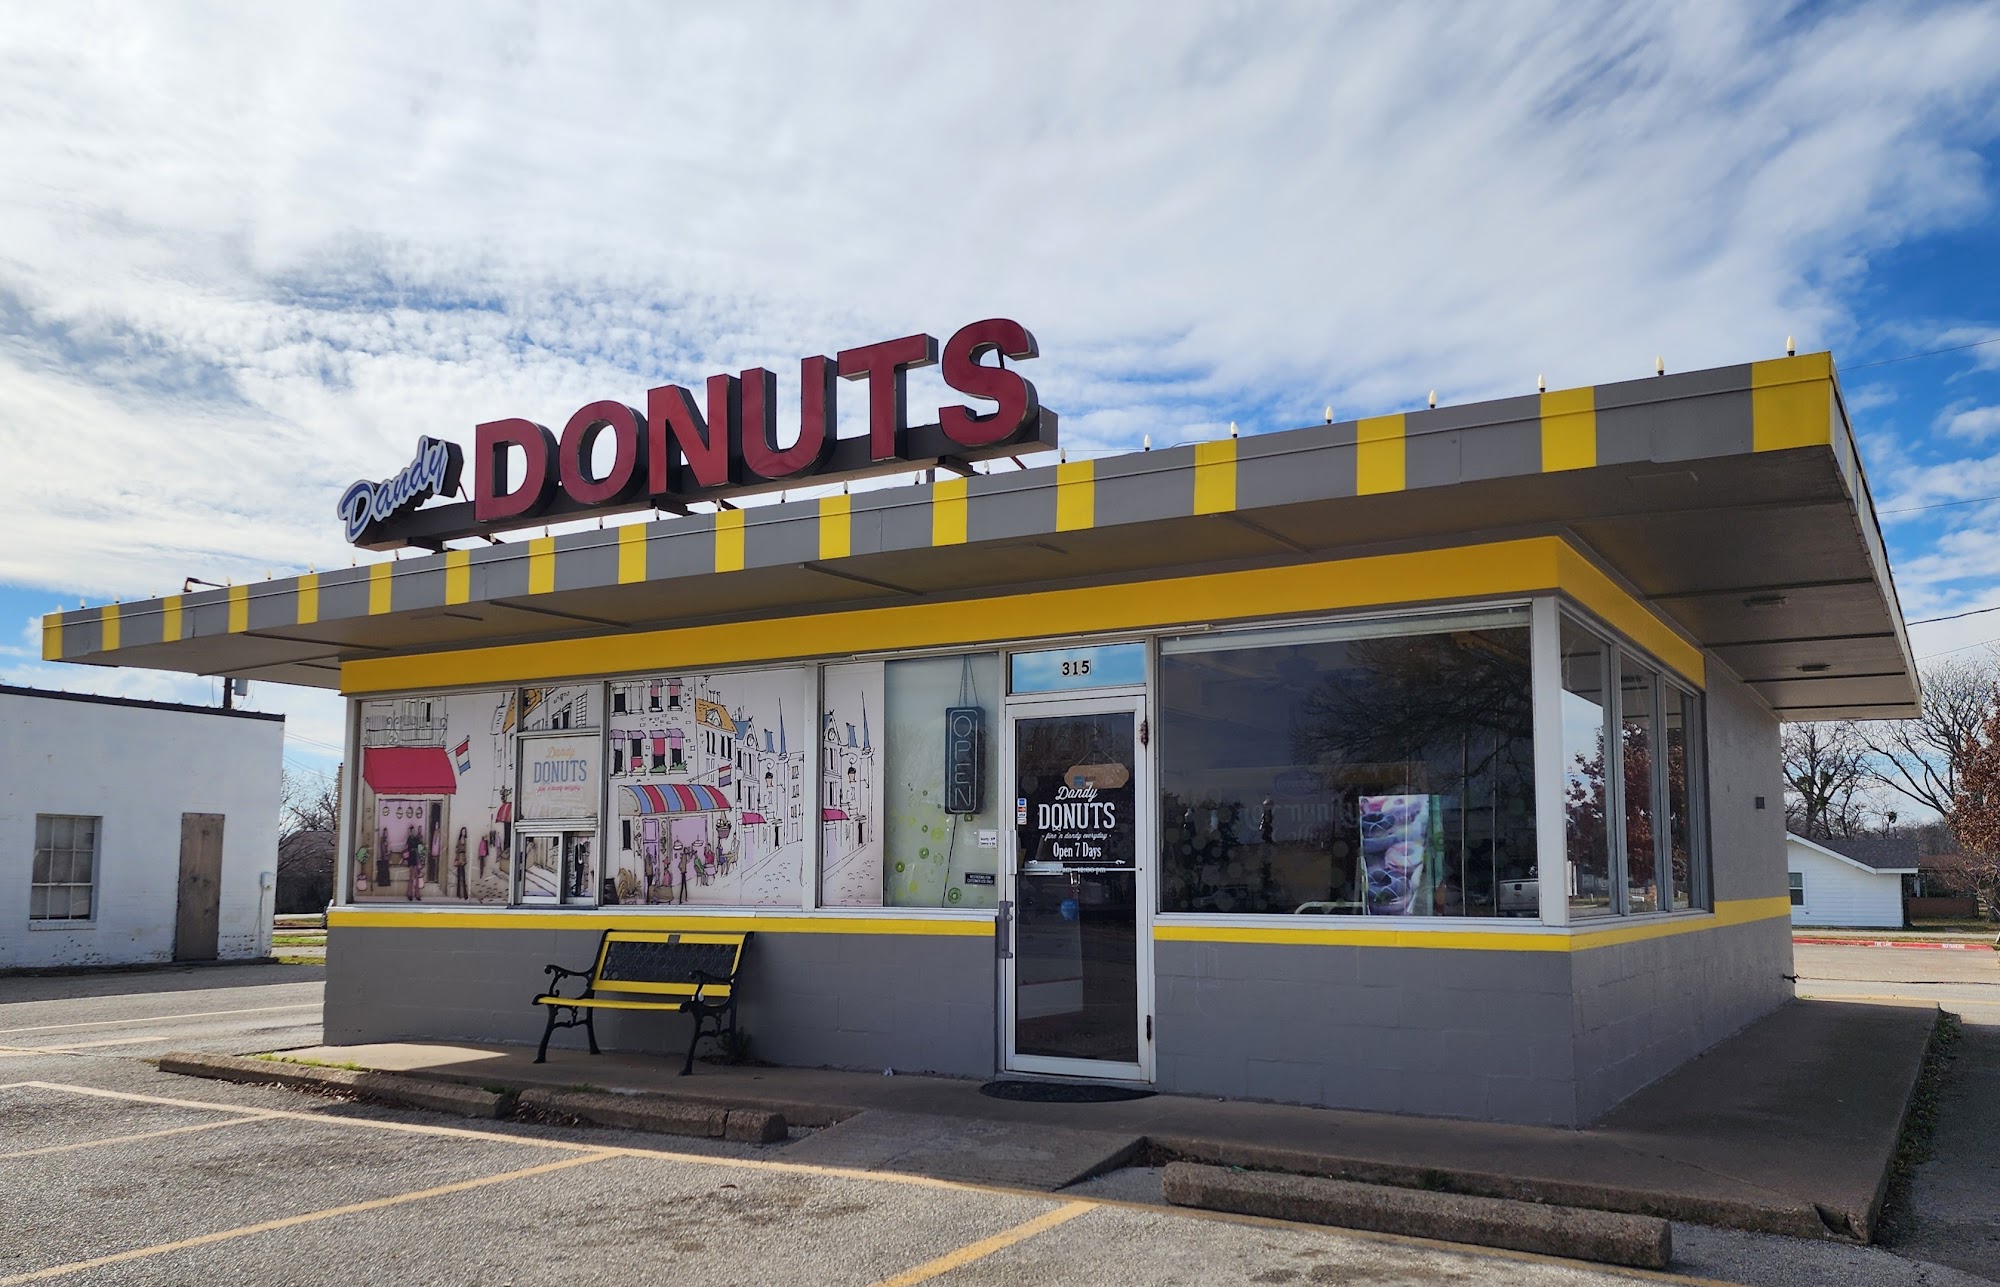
(590, 1029)
(542, 1055)
(688, 1066)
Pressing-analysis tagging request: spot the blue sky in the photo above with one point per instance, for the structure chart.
(249, 253)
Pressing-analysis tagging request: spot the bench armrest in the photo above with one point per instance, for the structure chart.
(557, 974)
(702, 979)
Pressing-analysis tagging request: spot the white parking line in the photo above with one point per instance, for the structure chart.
(157, 1018)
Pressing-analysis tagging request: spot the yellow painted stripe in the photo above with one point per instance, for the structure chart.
(1569, 429)
(1215, 476)
(239, 609)
(309, 1217)
(309, 599)
(1467, 572)
(1076, 496)
(457, 576)
(729, 540)
(948, 511)
(975, 1251)
(1539, 939)
(541, 565)
(1583, 581)
(836, 526)
(1378, 455)
(52, 624)
(631, 553)
(364, 917)
(107, 627)
(380, 598)
(170, 618)
(1791, 402)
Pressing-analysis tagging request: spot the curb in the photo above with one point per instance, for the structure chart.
(662, 1116)
(1816, 941)
(410, 1092)
(1790, 1218)
(1643, 1242)
(652, 1113)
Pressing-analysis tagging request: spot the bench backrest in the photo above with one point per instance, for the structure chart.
(664, 962)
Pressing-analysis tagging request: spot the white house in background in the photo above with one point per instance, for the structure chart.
(135, 831)
(1856, 881)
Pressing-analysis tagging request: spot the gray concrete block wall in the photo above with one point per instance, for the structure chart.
(1645, 1008)
(1744, 763)
(1435, 1031)
(913, 1002)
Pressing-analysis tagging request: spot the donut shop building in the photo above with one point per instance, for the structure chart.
(1426, 763)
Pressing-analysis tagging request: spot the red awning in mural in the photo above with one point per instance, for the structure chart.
(678, 798)
(505, 813)
(833, 815)
(753, 819)
(408, 770)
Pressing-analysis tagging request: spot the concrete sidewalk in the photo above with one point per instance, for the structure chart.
(1788, 1127)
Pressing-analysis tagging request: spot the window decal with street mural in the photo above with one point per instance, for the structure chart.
(850, 786)
(709, 789)
(435, 810)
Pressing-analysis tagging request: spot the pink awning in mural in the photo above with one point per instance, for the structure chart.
(408, 770)
(833, 815)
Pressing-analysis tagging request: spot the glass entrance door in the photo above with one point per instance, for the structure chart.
(1078, 980)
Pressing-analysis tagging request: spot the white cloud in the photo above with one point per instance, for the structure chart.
(248, 253)
(1976, 423)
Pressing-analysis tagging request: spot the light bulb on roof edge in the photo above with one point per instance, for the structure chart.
(1146, 443)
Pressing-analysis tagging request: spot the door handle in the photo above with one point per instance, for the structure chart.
(1003, 931)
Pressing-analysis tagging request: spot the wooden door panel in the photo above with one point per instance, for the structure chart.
(198, 912)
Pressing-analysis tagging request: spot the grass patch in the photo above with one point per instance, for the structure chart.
(298, 940)
(1919, 1125)
(302, 960)
(348, 1066)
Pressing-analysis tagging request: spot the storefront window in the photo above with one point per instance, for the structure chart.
(695, 826)
(1586, 806)
(1637, 745)
(1651, 860)
(1682, 770)
(434, 808)
(1378, 768)
(936, 794)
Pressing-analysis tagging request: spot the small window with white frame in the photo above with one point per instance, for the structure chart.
(1797, 880)
(65, 869)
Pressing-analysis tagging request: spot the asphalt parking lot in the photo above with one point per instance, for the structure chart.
(113, 1172)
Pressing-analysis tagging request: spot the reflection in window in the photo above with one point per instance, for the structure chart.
(1373, 768)
(1678, 710)
(1586, 820)
(1636, 742)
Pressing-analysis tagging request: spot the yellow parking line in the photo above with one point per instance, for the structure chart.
(310, 1217)
(985, 1247)
(130, 1139)
(595, 1152)
(157, 1018)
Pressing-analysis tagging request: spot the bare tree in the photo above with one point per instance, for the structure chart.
(1924, 758)
(310, 815)
(1826, 769)
(1975, 817)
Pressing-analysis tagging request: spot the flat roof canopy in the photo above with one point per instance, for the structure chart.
(1731, 499)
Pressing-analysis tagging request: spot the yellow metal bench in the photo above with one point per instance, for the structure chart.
(690, 972)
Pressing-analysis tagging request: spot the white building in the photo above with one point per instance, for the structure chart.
(135, 831)
(1853, 882)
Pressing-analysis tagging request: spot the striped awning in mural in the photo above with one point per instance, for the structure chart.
(678, 798)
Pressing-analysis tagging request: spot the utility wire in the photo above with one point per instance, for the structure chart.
(1911, 509)
(1971, 612)
(1910, 357)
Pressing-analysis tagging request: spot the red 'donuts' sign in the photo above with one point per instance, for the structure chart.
(679, 448)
